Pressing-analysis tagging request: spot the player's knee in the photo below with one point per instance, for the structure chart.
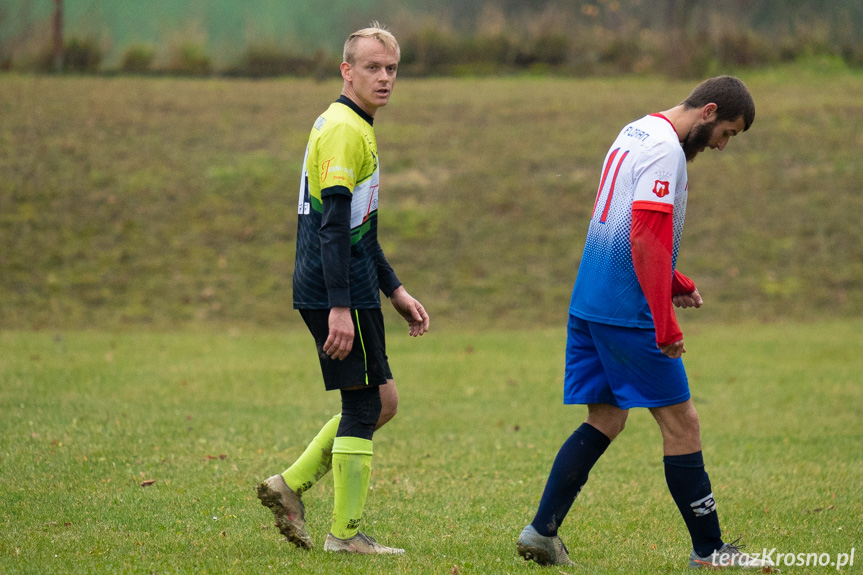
(679, 424)
(610, 427)
(614, 428)
(686, 421)
(610, 420)
(387, 413)
(389, 404)
(690, 423)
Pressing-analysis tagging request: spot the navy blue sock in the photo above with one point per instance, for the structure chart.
(690, 488)
(568, 475)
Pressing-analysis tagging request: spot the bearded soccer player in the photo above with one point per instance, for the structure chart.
(624, 345)
(340, 270)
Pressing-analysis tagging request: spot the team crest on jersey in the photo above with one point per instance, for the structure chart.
(660, 188)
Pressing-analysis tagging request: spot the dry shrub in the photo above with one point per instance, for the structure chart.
(266, 61)
(190, 59)
(138, 59)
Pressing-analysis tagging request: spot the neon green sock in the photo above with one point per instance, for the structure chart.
(352, 471)
(315, 461)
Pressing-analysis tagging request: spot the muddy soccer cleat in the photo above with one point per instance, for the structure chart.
(359, 543)
(730, 556)
(288, 509)
(544, 550)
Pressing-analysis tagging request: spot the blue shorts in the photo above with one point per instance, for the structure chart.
(621, 366)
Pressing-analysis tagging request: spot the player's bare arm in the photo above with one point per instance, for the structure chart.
(412, 310)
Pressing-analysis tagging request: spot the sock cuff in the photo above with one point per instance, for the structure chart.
(690, 460)
(352, 446)
(596, 438)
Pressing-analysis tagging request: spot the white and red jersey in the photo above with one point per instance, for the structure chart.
(623, 280)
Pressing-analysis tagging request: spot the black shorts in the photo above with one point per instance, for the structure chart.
(367, 363)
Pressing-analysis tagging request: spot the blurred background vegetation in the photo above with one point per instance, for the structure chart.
(136, 194)
(682, 38)
(171, 201)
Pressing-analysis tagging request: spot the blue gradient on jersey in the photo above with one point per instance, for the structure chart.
(606, 289)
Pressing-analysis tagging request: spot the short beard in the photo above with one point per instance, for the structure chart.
(697, 140)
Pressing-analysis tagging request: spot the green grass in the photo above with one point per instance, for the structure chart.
(88, 415)
(139, 202)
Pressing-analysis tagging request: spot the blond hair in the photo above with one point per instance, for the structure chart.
(375, 31)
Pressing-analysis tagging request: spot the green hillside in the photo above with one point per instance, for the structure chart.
(169, 202)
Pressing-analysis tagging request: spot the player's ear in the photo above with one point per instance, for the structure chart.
(347, 71)
(708, 113)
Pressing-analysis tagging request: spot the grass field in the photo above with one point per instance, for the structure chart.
(147, 335)
(88, 416)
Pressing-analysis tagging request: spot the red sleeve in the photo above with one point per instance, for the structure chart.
(651, 238)
(680, 284)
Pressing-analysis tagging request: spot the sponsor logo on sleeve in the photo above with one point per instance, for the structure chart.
(325, 169)
(341, 173)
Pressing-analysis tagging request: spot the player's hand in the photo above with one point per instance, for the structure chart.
(340, 340)
(412, 310)
(685, 300)
(673, 350)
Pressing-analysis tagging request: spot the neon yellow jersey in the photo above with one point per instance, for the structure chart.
(341, 157)
(342, 151)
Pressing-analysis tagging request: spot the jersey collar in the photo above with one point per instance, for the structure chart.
(359, 111)
(658, 115)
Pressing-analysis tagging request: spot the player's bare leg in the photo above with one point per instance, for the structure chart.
(681, 431)
(607, 418)
(389, 403)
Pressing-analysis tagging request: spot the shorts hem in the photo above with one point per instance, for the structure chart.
(628, 404)
(587, 400)
(339, 386)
